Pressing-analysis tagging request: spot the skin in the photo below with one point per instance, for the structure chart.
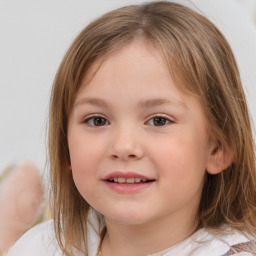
(174, 154)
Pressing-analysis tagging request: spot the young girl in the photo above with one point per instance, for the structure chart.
(151, 148)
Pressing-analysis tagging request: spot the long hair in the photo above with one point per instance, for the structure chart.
(201, 62)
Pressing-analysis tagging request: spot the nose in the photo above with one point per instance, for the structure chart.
(126, 144)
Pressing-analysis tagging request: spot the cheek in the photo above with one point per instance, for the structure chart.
(181, 172)
(181, 159)
(85, 151)
(84, 166)
(85, 156)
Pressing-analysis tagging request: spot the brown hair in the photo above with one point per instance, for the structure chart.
(200, 60)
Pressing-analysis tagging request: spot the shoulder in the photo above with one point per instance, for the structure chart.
(40, 241)
(203, 243)
(232, 243)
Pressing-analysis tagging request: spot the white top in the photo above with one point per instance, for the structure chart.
(41, 241)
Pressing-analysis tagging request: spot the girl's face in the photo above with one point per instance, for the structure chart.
(139, 148)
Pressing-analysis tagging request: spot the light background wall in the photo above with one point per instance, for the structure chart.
(34, 36)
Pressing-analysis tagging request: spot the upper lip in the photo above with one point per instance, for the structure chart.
(126, 175)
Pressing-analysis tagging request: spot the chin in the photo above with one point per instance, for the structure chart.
(128, 218)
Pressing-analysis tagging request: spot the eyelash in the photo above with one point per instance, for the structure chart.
(167, 121)
(92, 118)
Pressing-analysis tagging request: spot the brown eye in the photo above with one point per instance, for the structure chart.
(159, 121)
(96, 121)
(99, 121)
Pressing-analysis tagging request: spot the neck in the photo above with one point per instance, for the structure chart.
(145, 239)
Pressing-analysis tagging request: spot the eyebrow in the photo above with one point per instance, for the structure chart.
(159, 102)
(92, 101)
(142, 104)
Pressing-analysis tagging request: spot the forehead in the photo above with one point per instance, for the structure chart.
(135, 54)
(138, 69)
(139, 48)
(137, 61)
(132, 79)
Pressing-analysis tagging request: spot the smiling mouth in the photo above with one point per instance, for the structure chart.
(122, 180)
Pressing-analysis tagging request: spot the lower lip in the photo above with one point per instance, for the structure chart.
(125, 188)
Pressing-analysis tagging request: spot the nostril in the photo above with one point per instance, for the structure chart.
(131, 156)
(125, 153)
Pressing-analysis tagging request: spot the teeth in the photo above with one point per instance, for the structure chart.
(128, 180)
(121, 180)
(137, 180)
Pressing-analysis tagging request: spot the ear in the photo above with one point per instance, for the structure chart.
(219, 158)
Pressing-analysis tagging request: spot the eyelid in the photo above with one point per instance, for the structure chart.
(86, 119)
(91, 116)
(168, 118)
